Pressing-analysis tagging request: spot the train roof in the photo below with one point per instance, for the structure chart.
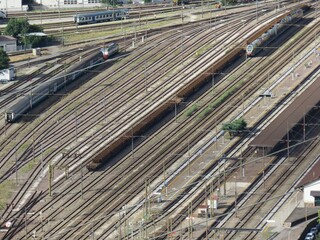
(102, 12)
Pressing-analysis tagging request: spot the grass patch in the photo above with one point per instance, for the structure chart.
(24, 146)
(98, 34)
(6, 192)
(220, 100)
(203, 50)
(29, 166)
(190, 111)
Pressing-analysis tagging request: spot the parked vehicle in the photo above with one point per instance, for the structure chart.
(309, 236)
(314, 231)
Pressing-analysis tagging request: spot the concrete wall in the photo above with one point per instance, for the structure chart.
(8, 46)
(11, 5)
(308, 199)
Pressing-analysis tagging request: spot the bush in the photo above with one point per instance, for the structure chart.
(4, 59)
(191, 110)
(235, 126)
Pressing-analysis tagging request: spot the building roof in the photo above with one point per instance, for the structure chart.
(278, 128)
(312, 175)
(5, 38)
(38, 34)
(315, 193)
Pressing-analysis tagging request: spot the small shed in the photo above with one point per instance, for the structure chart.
(8, 43)
(7, 74)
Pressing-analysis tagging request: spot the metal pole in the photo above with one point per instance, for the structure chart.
(257, 11)
(224, 179)
(41, 219)
(132, 147)
(41, 13)
(175, 110)
(304, 127)
(288, 144)
(189, 170)
(145, 76)
(16, 167)
(76, 126)
(207, 197)
(81, 182)
(50, 179)
(182, 7)
(105, 110)
(25, 222)
(201, 8)
(42, 172)
(235, 196)
(92, 232)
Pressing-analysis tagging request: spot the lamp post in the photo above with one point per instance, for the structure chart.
(257, 11)
(235, 195)
(41, 13)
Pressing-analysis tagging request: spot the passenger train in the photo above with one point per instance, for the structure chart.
(109, 50)
(268, 36)
(109, 15)
(42, 91)
(3, 14)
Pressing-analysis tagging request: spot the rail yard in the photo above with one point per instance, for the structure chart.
(126, 128)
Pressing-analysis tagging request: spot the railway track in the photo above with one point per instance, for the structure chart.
(195, 204)
(187, 191)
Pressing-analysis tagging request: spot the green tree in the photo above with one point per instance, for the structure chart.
(20, 26)
(4, 59)
(235, 126)
(35, 28)
(108, 2)
(17, 26)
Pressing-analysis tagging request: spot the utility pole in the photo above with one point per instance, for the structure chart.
(50, 178)
(16, 165)
(175, 109)
(81, 181)
(41, 13)
(235, 196)
(132, 145)
(76, 126)
(288, 144)
(257, 11)
(25, 222)
(42, 170)
(207, 197)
